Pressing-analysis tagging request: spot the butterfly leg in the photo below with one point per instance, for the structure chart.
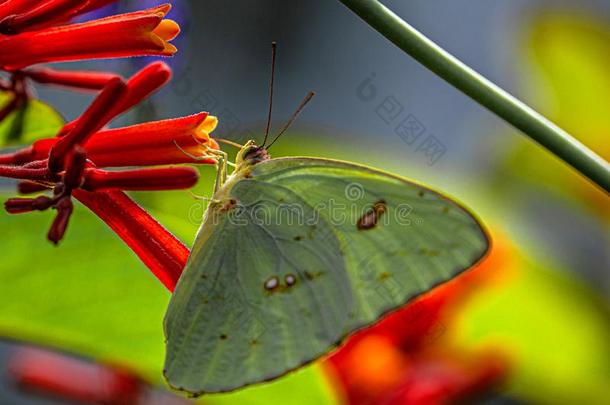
(221, 173)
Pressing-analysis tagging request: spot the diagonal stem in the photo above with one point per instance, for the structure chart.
(483, 91)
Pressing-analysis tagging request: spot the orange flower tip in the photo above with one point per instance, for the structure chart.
(167, 30)
(209, 124)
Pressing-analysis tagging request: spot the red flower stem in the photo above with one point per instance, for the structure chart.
(76, 79)
(160, 251)
(30, 187)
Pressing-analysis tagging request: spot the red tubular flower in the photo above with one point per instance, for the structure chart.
(12, 7)
(96, 117)
(70, 166)
(43, 15)
(132, 34)
(140, 86)
(74, 79)
(149, 144)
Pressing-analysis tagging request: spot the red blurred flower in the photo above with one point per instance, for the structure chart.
(41, 372)
(72, 379)
(404, 360)
(71, 165)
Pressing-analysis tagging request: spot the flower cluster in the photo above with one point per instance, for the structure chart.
(75, 163)
(33, 32)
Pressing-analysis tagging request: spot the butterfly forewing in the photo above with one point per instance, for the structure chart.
(313, 250)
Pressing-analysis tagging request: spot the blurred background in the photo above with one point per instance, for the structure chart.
(534, 317)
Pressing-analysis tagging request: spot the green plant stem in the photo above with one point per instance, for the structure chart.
(483, 91)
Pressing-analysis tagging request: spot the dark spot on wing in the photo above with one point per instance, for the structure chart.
(421, 193)
(253, 342)
(272, 284)
(371, 218)
(298, 238)
(312, 275)
(290, 280)
(223, 337)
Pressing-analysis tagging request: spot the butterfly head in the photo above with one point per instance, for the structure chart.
(252, 154)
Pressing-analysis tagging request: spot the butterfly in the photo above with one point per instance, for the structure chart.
(294, 255)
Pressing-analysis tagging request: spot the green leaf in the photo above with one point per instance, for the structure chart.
(91, 296)
(34, 120)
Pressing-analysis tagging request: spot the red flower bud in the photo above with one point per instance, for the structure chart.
(23, 205)
(139, 87)
(75, 79)
(60, 224)
(171, 178)
(30, 187)
(96, 116)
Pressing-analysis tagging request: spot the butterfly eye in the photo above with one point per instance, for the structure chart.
(255, 154)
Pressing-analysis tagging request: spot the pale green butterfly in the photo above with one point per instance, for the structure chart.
(295, 254)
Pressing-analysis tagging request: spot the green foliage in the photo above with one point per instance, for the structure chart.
(91, 296)
(556, 332)
(34, 120)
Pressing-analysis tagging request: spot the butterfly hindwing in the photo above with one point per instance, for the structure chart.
(311, 251)
(259, 297)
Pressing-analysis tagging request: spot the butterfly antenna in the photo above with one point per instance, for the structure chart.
(296, 114)
(271, 88)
